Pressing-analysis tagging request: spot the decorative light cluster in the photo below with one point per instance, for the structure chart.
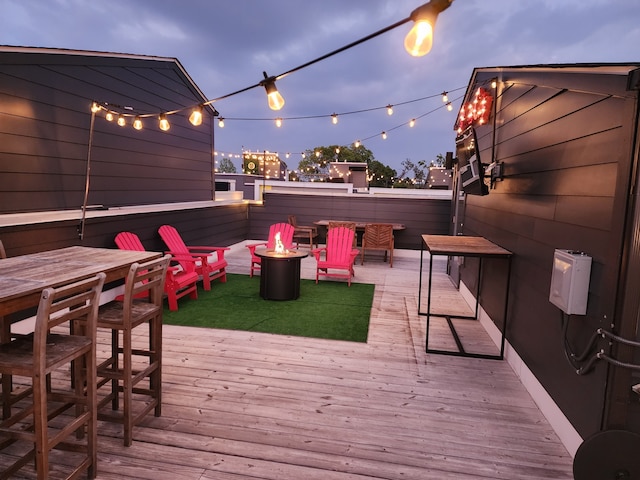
(477, 111)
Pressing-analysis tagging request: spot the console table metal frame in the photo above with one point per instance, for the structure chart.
(462, 246)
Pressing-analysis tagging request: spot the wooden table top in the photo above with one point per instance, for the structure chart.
(463, 246)
(359, 225)
(23, 278)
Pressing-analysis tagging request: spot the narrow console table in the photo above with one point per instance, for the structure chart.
(462, 246)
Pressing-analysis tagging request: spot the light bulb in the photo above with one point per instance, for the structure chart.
(278, 122)
(164, 123)
(196, 116)
(384, 135)
(109, 116)
(389, 109)
(221, 122)
(334, 119)
(137, 123)
(356, 143)
(275, 100)
(412, 122)
(121, 120)
(449, 106)
(95, 107)
(445, 97)
(419, 40)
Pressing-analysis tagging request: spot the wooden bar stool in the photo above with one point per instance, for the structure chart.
(47, 418)
(142, 305)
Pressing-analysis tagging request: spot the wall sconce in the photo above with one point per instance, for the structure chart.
(276, 102)
(419, 40)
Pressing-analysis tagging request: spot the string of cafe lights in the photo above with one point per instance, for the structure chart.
(447, 104)
(418, 42)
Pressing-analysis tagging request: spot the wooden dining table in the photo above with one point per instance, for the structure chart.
(359, 224)
(22, 278)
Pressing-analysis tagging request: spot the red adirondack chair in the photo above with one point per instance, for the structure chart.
(180, 281)
(339, 254)
(286, 237)
(211, 263)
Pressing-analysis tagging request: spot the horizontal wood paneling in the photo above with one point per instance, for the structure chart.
(44, 133)
(567, 163)
(420, 216)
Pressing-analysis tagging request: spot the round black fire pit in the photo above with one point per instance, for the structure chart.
(280, 273)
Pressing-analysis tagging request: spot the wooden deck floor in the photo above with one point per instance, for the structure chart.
(241, 405)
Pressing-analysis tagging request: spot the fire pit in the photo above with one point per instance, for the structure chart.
(279, 272)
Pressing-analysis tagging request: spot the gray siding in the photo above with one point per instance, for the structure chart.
(566, 141)
(45, 119)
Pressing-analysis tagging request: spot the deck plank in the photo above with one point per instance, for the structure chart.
(241, 405)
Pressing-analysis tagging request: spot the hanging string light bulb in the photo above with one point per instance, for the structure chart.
(276, 102)
(109, 116)
(445, 97)
(419, 40)
(356, 143)
(95, 108)
(449, 106)
(278, 122)
(412, 122)
(164, 123)
(334, 119)
(121, 120)
(389, 109)
(384, 135)
(196, 116)
(221, 122)
(137, 123)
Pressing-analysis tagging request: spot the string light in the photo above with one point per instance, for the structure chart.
(449, 106)
(384, 135)
(275, 100)
(389, 109)
(109, 116)
(278, 122)
(95, 107)
(419, 40)
(164, 123)
(196, 116)
(221, 122)
(445, 97)
(356, 143)
(121, 120)
(137, 123)
(334, 118)
(412, 122)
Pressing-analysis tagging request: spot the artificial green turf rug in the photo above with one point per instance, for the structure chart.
(330, 309)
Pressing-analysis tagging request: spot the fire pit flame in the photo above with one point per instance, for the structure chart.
(279, 247)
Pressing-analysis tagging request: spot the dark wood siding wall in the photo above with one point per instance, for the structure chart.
(45, 118)
(566, 142)
(420, 216)
(219, 225)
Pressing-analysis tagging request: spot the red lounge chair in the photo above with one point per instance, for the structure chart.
(286, 237)
(339, 254)
(180, 280)
(210, 264)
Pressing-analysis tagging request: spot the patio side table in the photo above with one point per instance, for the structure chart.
(463, 246)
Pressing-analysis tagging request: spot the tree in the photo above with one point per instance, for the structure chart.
(315, 162)
(381, 175)
(226, 166)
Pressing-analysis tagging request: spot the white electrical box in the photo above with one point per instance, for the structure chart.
(570, 281)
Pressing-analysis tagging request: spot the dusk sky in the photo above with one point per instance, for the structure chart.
(226, 45)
